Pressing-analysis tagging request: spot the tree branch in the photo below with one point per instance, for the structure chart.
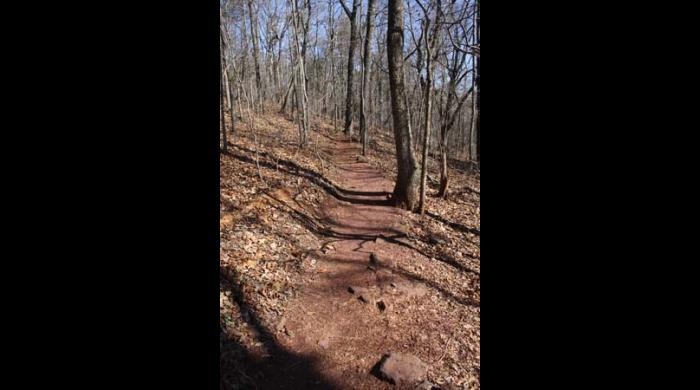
(345, 8)
(425, 11)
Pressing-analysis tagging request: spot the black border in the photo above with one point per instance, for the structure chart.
(124, 269)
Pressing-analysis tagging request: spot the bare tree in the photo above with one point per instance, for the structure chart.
(331, 50)
(224, 45)
(300, 76)
(366, 69)
(406, 189)
(477, 77)
(430, 39)
(223, 76)
(451, 107)
(352, 15)
(252, 12)
(428, 92)
(223, 119)
(274, 35)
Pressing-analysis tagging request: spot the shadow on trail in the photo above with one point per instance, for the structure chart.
(311, 224)
(400, 272)
(339, 193)
(314, 226)
(282, 369)
(292, 168)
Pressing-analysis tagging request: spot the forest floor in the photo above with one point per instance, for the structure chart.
(298, 229)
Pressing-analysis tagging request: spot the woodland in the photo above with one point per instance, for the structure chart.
(350, 194)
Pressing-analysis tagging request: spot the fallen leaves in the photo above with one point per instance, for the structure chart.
(268, 249)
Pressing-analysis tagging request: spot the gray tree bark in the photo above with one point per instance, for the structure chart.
(366, 69)
(223, 120)
(430, 40)
(252, 12)
(333, 70)
(352, 15)
(301, 97)
(405, 193)
(475, 124)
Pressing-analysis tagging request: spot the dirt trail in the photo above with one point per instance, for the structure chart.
(343, 334)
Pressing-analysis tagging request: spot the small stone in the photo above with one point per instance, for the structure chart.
(381, 305)
(373, 259)
(324, 342)
(411, 290)
(426, 385)
(362, 293)
(403, 369)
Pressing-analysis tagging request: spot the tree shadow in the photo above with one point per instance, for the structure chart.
(337, 192)
(454, 225)
(281, 370)
(400, 272)
(399, 238)
(292, 168)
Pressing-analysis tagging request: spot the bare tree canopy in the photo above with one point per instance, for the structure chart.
(301, 56)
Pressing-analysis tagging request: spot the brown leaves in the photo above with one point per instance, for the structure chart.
(226, 220)
(269, 250)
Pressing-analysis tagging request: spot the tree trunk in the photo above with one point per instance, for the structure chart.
(301, 97)
(252, 12)
(334, 99)
(286, 95)
(406, 189)
(223, 120)
(352, 15)
(277, 67)
(223, 46)
(444, 177)
(222, 69)
(430, 46)
(426, 130)
(365, 75)
(477, 90)
(331, 53)
(476, 103)
(229, 94)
